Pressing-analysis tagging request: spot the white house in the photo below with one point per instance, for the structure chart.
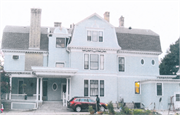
(90, 58)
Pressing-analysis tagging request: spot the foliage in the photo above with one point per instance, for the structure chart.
(90, 109)
(141, 112)
(111, 108)
(169, 63)
(5, 88)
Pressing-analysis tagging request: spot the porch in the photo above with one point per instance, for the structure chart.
(42, 84)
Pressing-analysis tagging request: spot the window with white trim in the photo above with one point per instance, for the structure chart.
(159, 89)
(93, 62)
(121, 64)
(60, 64)
(93, 88)
(95, 36)
(101, 87)
(177, 97)
(60, 42)
(137, 88)
(85, 87)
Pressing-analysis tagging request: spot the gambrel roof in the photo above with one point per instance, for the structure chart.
(17, 38)
(138, 39)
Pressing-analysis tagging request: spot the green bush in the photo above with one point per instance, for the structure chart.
(111, 108)
(141, 112)
(90, 109)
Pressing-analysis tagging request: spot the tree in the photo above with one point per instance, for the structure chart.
(170, 63)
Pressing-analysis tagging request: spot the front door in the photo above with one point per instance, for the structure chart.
(63, 89)
(20, 87)
(45, 90)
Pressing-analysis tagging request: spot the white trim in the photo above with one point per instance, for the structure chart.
(98, 17)
(119, 52)
(22, 103)
(60, 62)
(24, 51)
(56, 86)
(156, 89)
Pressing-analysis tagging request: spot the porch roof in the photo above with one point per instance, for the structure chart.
(53, 72)
(161, 80)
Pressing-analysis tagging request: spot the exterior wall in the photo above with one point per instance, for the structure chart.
(45, 60)
(110, 86)
(57, 54)
(133, 65)
(54, 95)
(77, 61)
(126, 88)
(149, 90)
(14, 65)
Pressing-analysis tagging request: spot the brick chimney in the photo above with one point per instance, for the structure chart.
(121, 21)
(57, 24)
(106, 16)
(35, 29)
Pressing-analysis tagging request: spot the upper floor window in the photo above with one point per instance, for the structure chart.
(159, 89)
(60, 42)
(95, 36)
(15, 57)
(121, 64)
(60, 64)
(94, 61)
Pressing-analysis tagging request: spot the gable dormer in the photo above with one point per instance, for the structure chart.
(94, 32)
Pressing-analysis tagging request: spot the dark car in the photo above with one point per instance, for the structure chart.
(79, 103)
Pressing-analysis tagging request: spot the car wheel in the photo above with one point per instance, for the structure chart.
(78, 108)
(102, 108)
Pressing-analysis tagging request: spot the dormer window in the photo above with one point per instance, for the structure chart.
(15, 57)
(60, 42)
(95, 36)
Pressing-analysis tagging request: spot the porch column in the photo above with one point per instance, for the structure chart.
(41, 88)
(10, 81)
(69, 88)
(37, 90)
(66, 90)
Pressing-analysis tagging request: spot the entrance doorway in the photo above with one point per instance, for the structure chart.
(63, 89)
(45, 84)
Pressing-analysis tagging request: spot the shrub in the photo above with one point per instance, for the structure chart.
(90, 109)
(111, 108)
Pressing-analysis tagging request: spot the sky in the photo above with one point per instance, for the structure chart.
(160, 16)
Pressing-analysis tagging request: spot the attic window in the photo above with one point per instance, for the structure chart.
(60, 42)
(95, 36)
(15, 57)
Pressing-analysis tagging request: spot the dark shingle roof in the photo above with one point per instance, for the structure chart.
(17, 38)
(138, 40)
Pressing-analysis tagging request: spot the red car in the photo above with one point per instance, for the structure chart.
(79, 103)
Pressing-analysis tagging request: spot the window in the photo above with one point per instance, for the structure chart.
(101, 87)
(54, 86)
(88, 35)
(177, 97)
(137, 88)
(93, 87)
(100, 36)
(86, 61)
(95, 36)
(94, 61)
(142, 61)
(60, 42)
(15, 57)
(153, 62)
(159, 89)
(102, 62)
(121, 64)
(85, 87)
(59, 64)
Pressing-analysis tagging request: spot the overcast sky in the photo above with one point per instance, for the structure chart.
(162, 17)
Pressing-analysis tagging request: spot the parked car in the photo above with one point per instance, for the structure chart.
(79, 103)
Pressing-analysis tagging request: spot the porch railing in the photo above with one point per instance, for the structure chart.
(64, 99)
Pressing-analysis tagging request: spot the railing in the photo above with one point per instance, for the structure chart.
(18, 96)
(64, 99)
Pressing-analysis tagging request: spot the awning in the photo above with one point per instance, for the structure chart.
(53, 72)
